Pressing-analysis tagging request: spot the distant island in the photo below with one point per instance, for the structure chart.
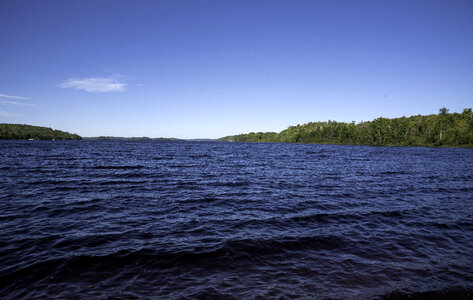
(443, 129)
(29, 132)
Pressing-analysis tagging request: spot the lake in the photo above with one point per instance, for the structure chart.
(187, 220)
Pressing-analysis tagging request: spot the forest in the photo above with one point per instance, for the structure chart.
(442, 129)
(26, 132)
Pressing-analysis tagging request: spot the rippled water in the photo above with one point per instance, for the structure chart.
(234, 220)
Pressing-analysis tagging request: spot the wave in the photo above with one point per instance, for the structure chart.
(459, 293)
(114, 167)
(223, 254)
(239, 220)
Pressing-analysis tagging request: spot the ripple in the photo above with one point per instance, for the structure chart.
(187, 220)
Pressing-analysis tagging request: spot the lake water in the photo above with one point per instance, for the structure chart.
(234, 220)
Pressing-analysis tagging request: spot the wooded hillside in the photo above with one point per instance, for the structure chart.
(25, 132)
(443, 129)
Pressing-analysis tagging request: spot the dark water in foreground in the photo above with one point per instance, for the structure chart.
(234, 220)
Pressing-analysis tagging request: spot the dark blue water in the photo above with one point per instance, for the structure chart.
(234, 220)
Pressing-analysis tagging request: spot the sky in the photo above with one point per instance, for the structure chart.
(207, 69)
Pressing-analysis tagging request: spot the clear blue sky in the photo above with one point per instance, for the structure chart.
(206, 69)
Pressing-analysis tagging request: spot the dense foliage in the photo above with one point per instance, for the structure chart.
(25, 132)
(444, 129)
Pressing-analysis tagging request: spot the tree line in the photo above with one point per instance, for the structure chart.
(443, 129)
(26, 132)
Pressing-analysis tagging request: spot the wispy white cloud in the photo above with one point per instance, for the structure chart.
(7, 114)
(94, 84)
(13, 97)
(15, 103)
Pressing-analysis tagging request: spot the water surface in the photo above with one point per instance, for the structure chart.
(234, 220)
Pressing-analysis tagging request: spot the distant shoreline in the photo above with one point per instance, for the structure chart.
(30, 132)
(118, 138)
(442, 130)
